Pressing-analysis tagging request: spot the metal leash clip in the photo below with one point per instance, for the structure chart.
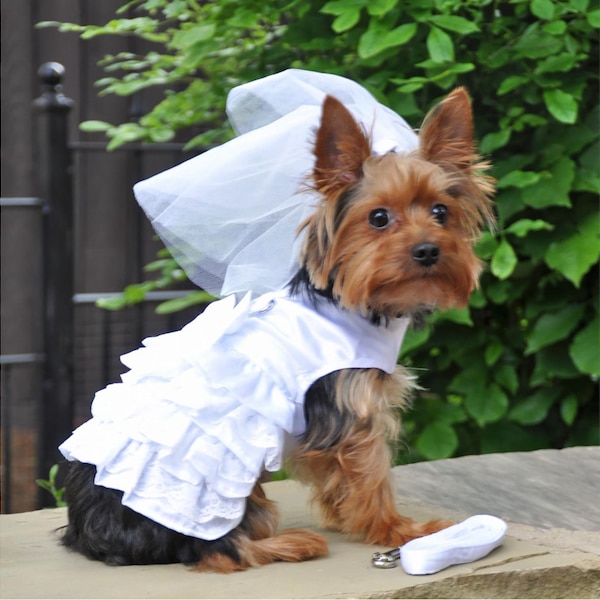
(386, 560)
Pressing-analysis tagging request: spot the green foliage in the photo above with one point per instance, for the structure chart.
(50, 486)
(518, 369)
(169, 274)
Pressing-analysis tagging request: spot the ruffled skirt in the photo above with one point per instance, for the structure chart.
(182, 436)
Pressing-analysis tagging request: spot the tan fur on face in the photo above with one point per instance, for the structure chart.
(371, 270)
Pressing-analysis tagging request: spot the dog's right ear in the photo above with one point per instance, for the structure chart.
(340, 149)
(446, 135)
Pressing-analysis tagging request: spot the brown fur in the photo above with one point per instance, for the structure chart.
(373, 270)
(350, 481)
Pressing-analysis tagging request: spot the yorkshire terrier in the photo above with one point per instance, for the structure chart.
(391, 236)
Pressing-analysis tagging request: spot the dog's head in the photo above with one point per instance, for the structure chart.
(393, 234)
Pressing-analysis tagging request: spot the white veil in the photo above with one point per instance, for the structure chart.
(230, 215)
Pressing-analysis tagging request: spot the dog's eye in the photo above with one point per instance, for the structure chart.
(440, 213)
(380, 218)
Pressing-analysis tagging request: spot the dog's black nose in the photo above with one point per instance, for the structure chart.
(426, 254)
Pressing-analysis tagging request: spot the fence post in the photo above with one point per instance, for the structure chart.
(54, 186)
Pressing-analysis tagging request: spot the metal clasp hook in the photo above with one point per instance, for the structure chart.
(386, 560)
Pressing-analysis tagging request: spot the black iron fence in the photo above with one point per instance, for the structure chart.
(70, 322)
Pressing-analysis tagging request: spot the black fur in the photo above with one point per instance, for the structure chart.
(326, 423)
(101, 528)
(301, 283)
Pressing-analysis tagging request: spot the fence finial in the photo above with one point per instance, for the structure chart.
(51, 75)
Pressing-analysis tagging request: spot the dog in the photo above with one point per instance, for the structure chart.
(390, 239)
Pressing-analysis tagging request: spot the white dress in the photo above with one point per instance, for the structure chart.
(204, 410)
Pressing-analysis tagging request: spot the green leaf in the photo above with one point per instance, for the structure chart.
(498, 291)
(53, 473)
(493, 141)
(161, 134)
(92, 126)
(553, 188)
(593, 18)
(555, 27)
(477, 299)
(536, 43)
(518, 179)
(489, 405)
(485, 403)
(512, 82)
(346, 21)
(486, 245)
(568, 409)
(450, 413)
(522, 227)
(586, 180)
(493, 352)
(400, 35)
(414, 338)
(411, 85)
(579, 5)
(552, 362)
(462, 316)
(135, 293)
(504, 260)
(44, 484)
(575, 255)
(585, 349)
(339, 7)
(440, 46)
(377, 39)
(506, 376)
(113, 303)
(544, 9)
(561, 105)
(560, 62)
(535, 408)
(378, 8)
(194, 35)
(454, 23)
(177, 304)
(553, 327)
(438, 440)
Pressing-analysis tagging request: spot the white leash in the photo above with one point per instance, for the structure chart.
(462, 543)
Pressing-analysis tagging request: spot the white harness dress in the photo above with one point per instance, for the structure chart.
(204, 410)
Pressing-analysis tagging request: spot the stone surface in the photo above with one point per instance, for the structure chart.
(533, 562)
(547, 488)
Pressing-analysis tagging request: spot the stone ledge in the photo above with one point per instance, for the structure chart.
(533, 562)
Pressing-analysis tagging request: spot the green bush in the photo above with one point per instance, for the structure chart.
(518, 369)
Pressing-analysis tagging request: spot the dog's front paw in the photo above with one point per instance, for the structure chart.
(406, 531)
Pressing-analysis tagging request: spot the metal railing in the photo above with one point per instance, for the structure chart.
(54, 363)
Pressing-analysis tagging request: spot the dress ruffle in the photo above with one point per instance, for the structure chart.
(182, 439)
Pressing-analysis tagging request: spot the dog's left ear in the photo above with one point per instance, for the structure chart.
(341, 147)
(446, 136)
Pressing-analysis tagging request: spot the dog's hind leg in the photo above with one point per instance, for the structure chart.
(256, 542)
